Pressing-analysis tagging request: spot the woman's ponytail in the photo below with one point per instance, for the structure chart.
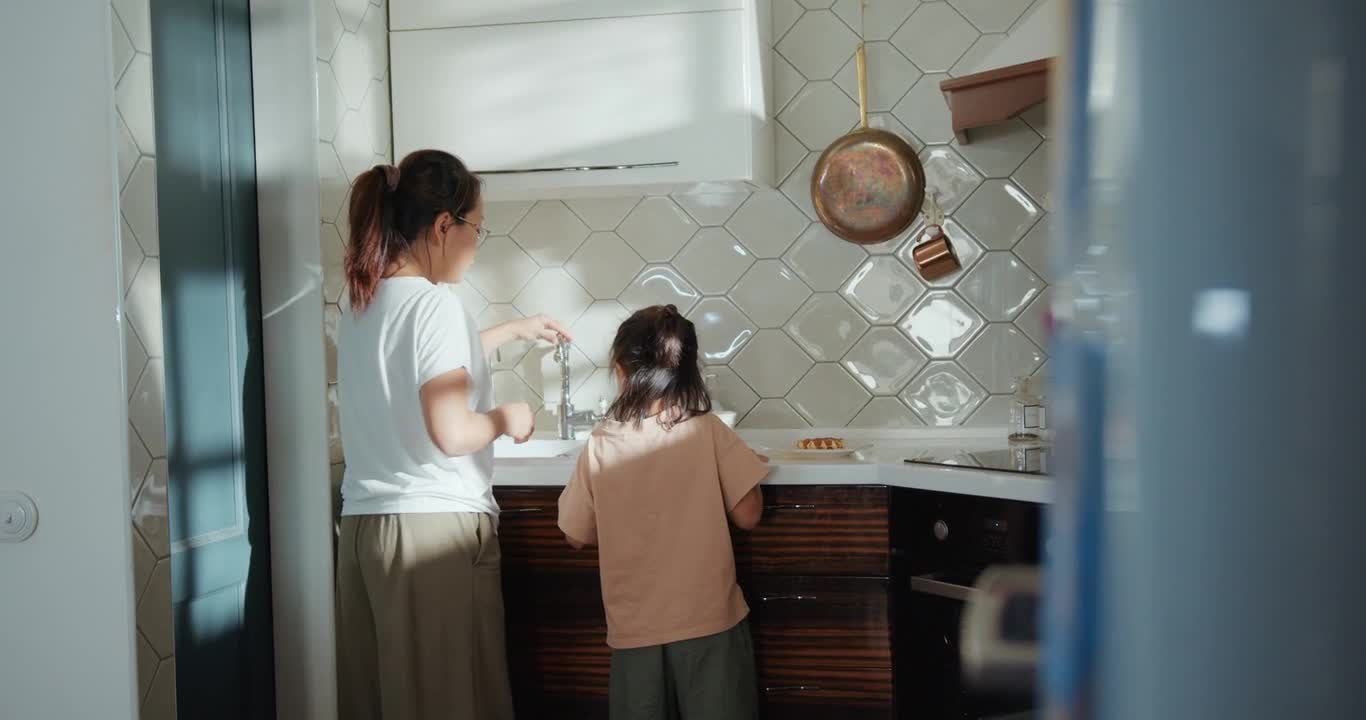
(371, 247)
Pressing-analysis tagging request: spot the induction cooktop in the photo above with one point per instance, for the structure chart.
(1026, 459)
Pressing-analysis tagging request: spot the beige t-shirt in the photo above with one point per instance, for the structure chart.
(655, 502)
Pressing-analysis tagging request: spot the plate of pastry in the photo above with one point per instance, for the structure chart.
(818, 447)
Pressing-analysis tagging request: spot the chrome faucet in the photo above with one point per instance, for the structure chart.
(569, 420)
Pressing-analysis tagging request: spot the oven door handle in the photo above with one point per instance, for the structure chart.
(930, 586)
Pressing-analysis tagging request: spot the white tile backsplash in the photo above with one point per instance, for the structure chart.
(796, 326)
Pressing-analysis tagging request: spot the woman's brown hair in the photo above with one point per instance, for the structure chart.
(392, 206)
(656, 350)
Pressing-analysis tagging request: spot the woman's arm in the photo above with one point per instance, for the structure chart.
(536, 327)
(457, 430)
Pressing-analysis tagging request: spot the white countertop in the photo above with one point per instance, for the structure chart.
(884, 463)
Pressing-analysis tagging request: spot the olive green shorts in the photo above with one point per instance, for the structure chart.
(706, 678)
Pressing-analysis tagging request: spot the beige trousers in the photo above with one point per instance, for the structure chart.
(420, 619)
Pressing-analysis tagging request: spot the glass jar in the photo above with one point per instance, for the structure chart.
(1028, 417)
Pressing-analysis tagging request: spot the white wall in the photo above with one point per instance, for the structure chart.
(68, 593)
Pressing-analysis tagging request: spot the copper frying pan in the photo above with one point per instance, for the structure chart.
(868, 185)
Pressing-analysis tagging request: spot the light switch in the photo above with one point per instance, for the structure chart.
(18, 517)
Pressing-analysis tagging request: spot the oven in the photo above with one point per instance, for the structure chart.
(952, 540)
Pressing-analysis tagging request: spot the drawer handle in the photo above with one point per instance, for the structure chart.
(930, 586)
(790, 506)
(786, 689)
(770, 598)
(508, 511)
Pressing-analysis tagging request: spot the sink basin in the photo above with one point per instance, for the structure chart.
(539, 446)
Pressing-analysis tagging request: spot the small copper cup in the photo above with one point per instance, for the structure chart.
(933, 254)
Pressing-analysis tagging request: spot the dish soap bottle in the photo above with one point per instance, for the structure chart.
(1028, 417)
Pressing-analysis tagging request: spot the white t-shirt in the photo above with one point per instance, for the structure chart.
(411, 332)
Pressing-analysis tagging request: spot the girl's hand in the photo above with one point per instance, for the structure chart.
(541, 327)
(762, 458)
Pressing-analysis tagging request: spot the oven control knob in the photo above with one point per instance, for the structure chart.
(941, 530)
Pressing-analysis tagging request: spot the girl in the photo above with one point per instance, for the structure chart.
(653, 489)
(419, 597)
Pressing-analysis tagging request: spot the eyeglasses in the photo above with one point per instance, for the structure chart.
(482, 233)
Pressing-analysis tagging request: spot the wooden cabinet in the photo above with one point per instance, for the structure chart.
(819, 575)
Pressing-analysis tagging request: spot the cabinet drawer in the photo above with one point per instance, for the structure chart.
(830, 530)
(847, 694)
(557, 650)
(820, 622)
(529, 533)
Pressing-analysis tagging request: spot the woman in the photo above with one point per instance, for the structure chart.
(419, 601)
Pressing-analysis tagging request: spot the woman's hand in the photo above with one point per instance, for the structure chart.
(540, 327)
(518, 421)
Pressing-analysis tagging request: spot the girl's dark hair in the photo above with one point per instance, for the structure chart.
(656, 348)
(391, 206)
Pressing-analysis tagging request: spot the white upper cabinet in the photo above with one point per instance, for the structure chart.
(556, 99)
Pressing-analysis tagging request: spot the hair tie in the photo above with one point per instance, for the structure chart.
(391, 176)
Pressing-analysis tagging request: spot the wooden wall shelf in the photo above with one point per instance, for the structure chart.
(994, 96)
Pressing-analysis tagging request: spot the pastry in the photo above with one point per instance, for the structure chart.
(824, 443)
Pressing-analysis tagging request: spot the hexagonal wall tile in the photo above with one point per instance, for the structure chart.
(878, 19)
(828, 396)
(924, 111)
(130, 252)
(826, 327)
(1035, 175)
(134, 358)
(331, 104)
(333, 183)
(942, 323)
(890, 75)
(657, 229)
(1036, 246)
(143, 564)
(818, 45)
(773, 414)
(603, 213)
(999, 355)
(890, 123)
(160, 703)
(786, 82)
(469, 298)
(790, 152)
(354, 144)
(949, 179)
(997, 150)
(550, 233)
(147, 666)
(998, 214)
(1000, 286)
(506, 357)
(138, 462)
(943, 394)
(882, 289)
(977, 54)
(1034, 320)
(151, 515)
(771, 363)
(819, 114)
(965, 247)
(728, 391)
(154, 612)
(502, 217)
(501, 270)
(553, 292)
(352, 12)
(994, 16)
(713, 260)
(136, 18)
(375, 110)
(886, 413)
(711, 208)
(935, 37)
(769, 293)
(1037, 117)
(329, 27)
(604, 264)
(352, 64)
(659, 285)
(334, 261)
(797, 186)
(133, 96)
(785, 14)
(722, 330)
(374, 33)
(127, 152)
(138, 202)
(596, 392)
(596, 328)
(536, 381)
(767, 224)
(884, 361)
(142, 306)
(823, 260)
(994, 412)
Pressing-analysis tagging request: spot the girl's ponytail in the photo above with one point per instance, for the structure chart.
(372, 246)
